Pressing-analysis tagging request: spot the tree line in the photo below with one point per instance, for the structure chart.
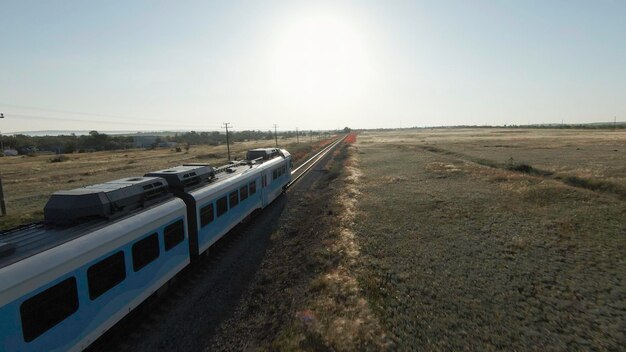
(95, 141)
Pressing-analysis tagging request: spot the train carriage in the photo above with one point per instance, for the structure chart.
(222, 198)
(103, 249)
(222, 206)
(63, 285)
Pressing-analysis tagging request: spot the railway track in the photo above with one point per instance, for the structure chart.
(301, 170)
(227, 256)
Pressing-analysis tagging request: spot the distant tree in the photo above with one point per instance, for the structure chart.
(70, 146)
(346, 130)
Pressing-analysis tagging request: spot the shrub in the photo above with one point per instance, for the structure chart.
(59, 158)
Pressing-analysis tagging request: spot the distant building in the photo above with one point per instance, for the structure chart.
(144, 141)
(10, 152)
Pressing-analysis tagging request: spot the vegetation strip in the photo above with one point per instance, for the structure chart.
(345, 322)
(574, 181)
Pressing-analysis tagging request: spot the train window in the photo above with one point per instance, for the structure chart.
(243, 192)
(284, 169)
(145, 251)
(43, 311)
(173, 234)
(222, 206)
(252, 186)
(274, 174)
(105, 274)
(234, 198)
(206, 215)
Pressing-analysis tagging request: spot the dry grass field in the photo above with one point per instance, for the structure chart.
(30, 180)
(435, 240)
(424, 240)
(494, 239)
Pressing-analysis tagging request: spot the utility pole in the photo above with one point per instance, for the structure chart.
(1, 143)
(297, 136)
(226, 125)
(275, 135)
(614, 123)
(311, 135)
(3, 205)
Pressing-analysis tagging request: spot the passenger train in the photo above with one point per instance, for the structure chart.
(104, 249)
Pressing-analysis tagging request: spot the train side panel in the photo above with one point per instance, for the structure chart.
(121, 255)
(220, 211)
(230, 203)
(278, 177)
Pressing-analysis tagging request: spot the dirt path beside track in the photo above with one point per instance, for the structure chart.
(306, 296)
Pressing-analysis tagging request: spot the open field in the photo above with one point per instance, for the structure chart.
(29, 181)
(428, 240)
(415, 241)
(494, 239)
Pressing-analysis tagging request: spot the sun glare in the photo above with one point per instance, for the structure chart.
(319, 59)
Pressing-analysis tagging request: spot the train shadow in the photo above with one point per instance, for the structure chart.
(234, 262)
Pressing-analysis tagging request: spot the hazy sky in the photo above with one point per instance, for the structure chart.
(164, 65)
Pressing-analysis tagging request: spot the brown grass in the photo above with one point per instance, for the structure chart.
(486, 240)
(336, 316)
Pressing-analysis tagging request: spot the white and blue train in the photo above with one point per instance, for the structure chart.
(104, 249)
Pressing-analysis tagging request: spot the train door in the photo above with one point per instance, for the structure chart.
(264, 190)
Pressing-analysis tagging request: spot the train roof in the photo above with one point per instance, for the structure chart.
(74, 213)
(187, 176)
(28, 240)
(228, 174)
(264, 153)
(70, 214)
(105, 200)
(76, 246)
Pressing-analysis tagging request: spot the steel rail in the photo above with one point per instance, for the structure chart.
(312, 161)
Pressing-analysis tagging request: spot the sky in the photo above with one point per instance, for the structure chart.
(193, 65)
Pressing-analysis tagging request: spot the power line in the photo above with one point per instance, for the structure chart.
(109, 116)
(76, 112)
(127, 123)
(131, 125)
(186, 125)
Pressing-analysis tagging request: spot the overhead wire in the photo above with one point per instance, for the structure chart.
(124, 123)
(123, 120)
(154, 125)
(76, 112)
